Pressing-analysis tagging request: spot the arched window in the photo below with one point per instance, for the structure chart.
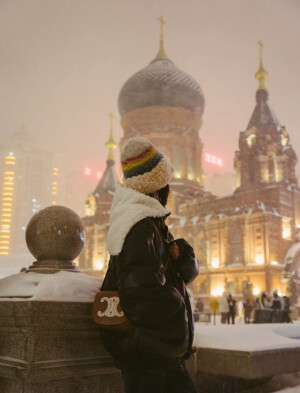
(203, 251)
(236, 248)
(271, 167)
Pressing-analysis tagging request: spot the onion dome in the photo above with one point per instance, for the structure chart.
(161, 83)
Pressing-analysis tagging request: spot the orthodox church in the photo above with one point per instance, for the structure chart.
(240, 240)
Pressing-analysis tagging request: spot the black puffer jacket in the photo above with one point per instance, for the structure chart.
(157, 303)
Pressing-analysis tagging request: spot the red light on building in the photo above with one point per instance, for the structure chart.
(87, 171)
(212, 159)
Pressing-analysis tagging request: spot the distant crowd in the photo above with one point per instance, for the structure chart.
(230, 308)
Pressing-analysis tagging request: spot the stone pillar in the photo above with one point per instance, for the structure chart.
(48, 340)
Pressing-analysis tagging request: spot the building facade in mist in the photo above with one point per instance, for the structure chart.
(94, 256)
(241, 239)
(29, 182)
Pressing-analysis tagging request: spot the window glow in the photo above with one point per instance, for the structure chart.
(217, 291)
(99, 264)
(256, 291)
(286, 233)
(259, 259)
(215, 262)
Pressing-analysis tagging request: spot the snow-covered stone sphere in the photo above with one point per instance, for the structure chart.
(55, 233)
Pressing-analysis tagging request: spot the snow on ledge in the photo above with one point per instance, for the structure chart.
(250, 338)
(58, 287)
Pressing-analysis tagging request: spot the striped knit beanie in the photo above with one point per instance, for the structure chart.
(145, 169)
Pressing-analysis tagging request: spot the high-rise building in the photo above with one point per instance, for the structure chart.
(29, 182)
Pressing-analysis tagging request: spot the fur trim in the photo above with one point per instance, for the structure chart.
(128, 208)
(152, 181)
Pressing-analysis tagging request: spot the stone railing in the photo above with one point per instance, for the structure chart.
(48, 340)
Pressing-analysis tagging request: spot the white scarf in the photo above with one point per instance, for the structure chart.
(128, 208)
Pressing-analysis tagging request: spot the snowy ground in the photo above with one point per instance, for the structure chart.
(251, 337)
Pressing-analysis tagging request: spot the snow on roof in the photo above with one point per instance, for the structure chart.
(291, 253)
(58, 287)
(249, 337)
(207, 217)
(261, 206)
(195, 220)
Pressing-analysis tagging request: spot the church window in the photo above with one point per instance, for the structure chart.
(203, 252)
(271, 167)
(251, 174)
(236, 248)
(177, 164)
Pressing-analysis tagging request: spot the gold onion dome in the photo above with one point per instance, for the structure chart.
(161, 83)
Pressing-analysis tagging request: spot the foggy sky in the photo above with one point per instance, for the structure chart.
(63, 63)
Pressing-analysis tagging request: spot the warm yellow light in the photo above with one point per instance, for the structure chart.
(5, 220)
(55, 169)
(190, 176)
(177, 175)
(215, 262)
(54, 193)
(53, 203)
(3, 253)
(217, 291)
(9, 163)
(259, 259)
(99, 265)
(286, 233)
(4, 230)
(256, 291)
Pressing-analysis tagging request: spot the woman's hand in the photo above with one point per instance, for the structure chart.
(174, 251)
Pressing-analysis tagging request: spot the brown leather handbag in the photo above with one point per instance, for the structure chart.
(107, 312)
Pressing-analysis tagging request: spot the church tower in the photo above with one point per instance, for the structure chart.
(165, 105)
(266, 155)
(94, 257)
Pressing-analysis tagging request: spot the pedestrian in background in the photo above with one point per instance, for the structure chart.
(232, 308)
(224, 308)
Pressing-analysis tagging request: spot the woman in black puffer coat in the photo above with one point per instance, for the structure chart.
(150, 270)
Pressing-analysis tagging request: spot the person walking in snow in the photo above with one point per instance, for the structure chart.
(232, 308)
(224, 308)
(150, 270)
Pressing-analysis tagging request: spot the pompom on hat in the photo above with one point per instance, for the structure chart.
(145, 168)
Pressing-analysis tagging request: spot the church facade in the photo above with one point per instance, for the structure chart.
(240, 240)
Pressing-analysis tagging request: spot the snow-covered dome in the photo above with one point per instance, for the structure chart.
(161, 83)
